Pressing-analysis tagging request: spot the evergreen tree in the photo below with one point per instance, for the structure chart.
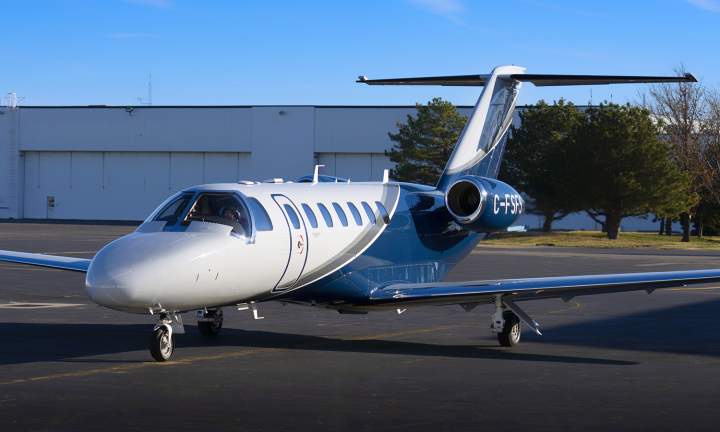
(622, 168)
(536, 158)
(424, 143)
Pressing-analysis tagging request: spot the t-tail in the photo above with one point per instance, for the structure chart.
(479, 149)
(473, 195)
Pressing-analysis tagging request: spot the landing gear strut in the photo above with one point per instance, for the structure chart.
(162, 343)
(210, 321)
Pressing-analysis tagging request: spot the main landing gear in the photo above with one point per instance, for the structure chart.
(210, 321)
(506, 322)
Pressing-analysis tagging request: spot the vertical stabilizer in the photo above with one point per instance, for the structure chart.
(481, 144)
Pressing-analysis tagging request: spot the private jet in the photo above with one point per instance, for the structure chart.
(354, 247)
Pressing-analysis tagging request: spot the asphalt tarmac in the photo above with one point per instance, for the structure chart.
(627, 361)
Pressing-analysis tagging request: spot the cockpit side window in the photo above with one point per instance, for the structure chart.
(260, 215)
(221, 208)
(174, 209)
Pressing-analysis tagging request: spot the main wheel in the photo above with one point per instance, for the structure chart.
(161, 344)
(510, 336)
(211, 328)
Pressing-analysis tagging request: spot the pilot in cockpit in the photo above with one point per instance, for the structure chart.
(236, 217)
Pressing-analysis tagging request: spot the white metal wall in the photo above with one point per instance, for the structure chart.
(355, 166)
(119, 163)
(118, 185)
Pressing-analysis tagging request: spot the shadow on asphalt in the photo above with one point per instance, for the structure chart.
(35, 342)
(692, 329)
(688, 329)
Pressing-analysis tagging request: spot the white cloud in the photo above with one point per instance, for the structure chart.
(708, 5)
(446, 8)
(152, 3)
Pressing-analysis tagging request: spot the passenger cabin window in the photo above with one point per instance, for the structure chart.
(259, 214)
(369, 212)
(174, 209)
(340, 213)
(310, 215)
(292, 215)
(355, 213)
(383, 212)
(221, 208)
(326, 215)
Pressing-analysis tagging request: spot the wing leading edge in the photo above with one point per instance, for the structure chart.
(565, 287)
(52, 261)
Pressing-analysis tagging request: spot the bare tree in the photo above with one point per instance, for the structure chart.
(680, 109)
(711, 145)
(709, 162)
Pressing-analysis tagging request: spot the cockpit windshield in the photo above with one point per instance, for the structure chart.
(220, 208)
(174, 209)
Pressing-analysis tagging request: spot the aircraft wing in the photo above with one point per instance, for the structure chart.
(566, 287)
(53, 261)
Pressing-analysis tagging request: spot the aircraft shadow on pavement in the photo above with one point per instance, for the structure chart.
(688, 329)
(36, 342)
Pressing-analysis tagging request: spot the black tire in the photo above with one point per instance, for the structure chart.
(211, 328)
(510, 336)
(161, 345)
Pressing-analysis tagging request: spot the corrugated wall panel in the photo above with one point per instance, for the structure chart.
(117, 185)
(355, 166)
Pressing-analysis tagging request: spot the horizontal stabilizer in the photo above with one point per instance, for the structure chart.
(456, 80)
(539, 80)
(52, 261)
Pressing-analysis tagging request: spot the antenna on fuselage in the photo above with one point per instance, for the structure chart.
(316, 174)
(386, 176)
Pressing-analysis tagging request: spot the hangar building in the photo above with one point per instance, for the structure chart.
(119, 163)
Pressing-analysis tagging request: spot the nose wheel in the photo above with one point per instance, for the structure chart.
(162, 343)
(210, 321)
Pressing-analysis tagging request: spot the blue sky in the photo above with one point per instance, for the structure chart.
(78, 52)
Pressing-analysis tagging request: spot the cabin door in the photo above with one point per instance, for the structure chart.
(297, 239)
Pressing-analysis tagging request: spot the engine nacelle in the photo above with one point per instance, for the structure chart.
(482, 204)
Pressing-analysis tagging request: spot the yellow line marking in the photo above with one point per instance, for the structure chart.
(695, 289)
(136, 366)
(201, 358)
(402, 333)
(574, 306)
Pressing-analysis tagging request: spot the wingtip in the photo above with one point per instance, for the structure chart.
(690, 77)
(361, 79)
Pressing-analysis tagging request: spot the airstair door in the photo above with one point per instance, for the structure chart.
(297, 238)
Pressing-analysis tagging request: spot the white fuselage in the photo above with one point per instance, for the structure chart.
(205, 265)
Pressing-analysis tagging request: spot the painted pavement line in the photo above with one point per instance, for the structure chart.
(201, 358)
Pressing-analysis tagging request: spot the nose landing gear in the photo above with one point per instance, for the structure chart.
(162, 343)
(210, 321)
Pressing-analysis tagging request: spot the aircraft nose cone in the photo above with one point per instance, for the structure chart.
(123, 275)
(109, 280)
